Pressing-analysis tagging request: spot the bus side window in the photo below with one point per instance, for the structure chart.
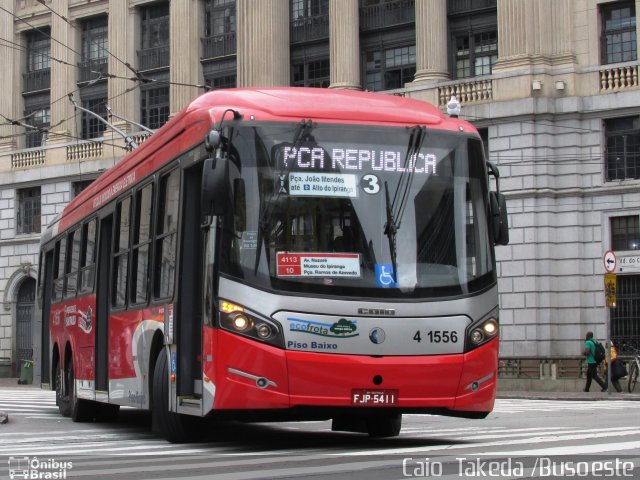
(121, 253)
(73, 240)
(141, 246)
(59, 264)
(166, 237)
(88, 257)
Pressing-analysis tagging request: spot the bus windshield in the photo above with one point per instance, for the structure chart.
(353, 210)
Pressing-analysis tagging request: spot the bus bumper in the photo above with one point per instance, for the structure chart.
(256, 376)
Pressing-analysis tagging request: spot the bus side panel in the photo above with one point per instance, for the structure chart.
(130, 338)
(239, 363)
(481, 366)
(72, 324)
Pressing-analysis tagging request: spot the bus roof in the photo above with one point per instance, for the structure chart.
(259, 104)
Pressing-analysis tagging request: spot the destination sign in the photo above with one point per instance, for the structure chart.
(342, 159)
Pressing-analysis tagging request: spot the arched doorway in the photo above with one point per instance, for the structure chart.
(24, 321)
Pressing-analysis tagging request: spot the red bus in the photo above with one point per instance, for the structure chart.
(283, 253)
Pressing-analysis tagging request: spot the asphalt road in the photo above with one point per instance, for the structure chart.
(522, 438)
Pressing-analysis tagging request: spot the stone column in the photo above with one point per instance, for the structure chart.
(10, 79)
(431, 41)
(344, 44)
(63, 75)
(185, 27)
(124, 94)
(534, 32)
(263, 43)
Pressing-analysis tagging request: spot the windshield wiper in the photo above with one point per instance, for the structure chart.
(394, 215)
(302, 133)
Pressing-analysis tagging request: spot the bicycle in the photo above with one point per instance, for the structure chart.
(634, 371)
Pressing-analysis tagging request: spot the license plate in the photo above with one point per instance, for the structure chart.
(365, 398)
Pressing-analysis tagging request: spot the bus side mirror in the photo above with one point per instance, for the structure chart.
(499, 219)
(215, 186)
(239, 205)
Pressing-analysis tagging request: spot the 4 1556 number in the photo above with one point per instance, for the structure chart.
(437, 336)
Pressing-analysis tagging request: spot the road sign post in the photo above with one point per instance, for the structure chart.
(610, 291)
(609, 261)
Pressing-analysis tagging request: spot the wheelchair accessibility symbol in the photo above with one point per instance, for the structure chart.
(384, 275)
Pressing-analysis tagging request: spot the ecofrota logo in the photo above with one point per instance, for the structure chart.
(34, 468)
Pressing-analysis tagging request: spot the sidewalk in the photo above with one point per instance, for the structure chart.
(594, 395)
(13, 383)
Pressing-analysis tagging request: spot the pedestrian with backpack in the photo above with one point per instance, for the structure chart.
(595, 354)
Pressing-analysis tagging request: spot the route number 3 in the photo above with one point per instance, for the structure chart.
(370, 184)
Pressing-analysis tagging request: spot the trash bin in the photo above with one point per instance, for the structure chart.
(26, 372)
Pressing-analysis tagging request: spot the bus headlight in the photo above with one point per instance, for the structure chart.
(240, 322)
(236, 319)
(482, 331)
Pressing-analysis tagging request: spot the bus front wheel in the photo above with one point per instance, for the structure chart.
(175, 427)
(381, 426)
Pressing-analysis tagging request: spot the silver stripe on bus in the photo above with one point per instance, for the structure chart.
(475, 385)
(261, 382)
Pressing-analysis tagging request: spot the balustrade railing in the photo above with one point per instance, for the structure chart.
(92, 69)
(37, 80)
(28, 159)
(219, 45)
(469, 91)
(156, 57)
(387, 14)
(620, 77)
(310, 28)
(83, 151)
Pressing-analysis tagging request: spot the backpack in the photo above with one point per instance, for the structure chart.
(599, 354)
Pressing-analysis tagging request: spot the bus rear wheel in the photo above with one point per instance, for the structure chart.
(62, 396)
(79, 410)
(175, 427)
(381, 426)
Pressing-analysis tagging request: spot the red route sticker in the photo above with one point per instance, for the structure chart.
(318, 264)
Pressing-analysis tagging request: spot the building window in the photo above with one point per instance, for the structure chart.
(622, 154)
(79, 186)
(91, 126)
(155, 107)
(219, 28)
(38, 66)
(476, 54)
(28, 218)
(390, 69)
(221, 81)
(625, 233)
(38, 51)
(309, 20)
(618, 32)
(38, 119)
(95, 48)
(154, 45)
(311, 74)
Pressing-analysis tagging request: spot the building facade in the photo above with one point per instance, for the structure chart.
(551, 84)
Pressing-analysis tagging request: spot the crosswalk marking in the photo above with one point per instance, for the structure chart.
(129, 451)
